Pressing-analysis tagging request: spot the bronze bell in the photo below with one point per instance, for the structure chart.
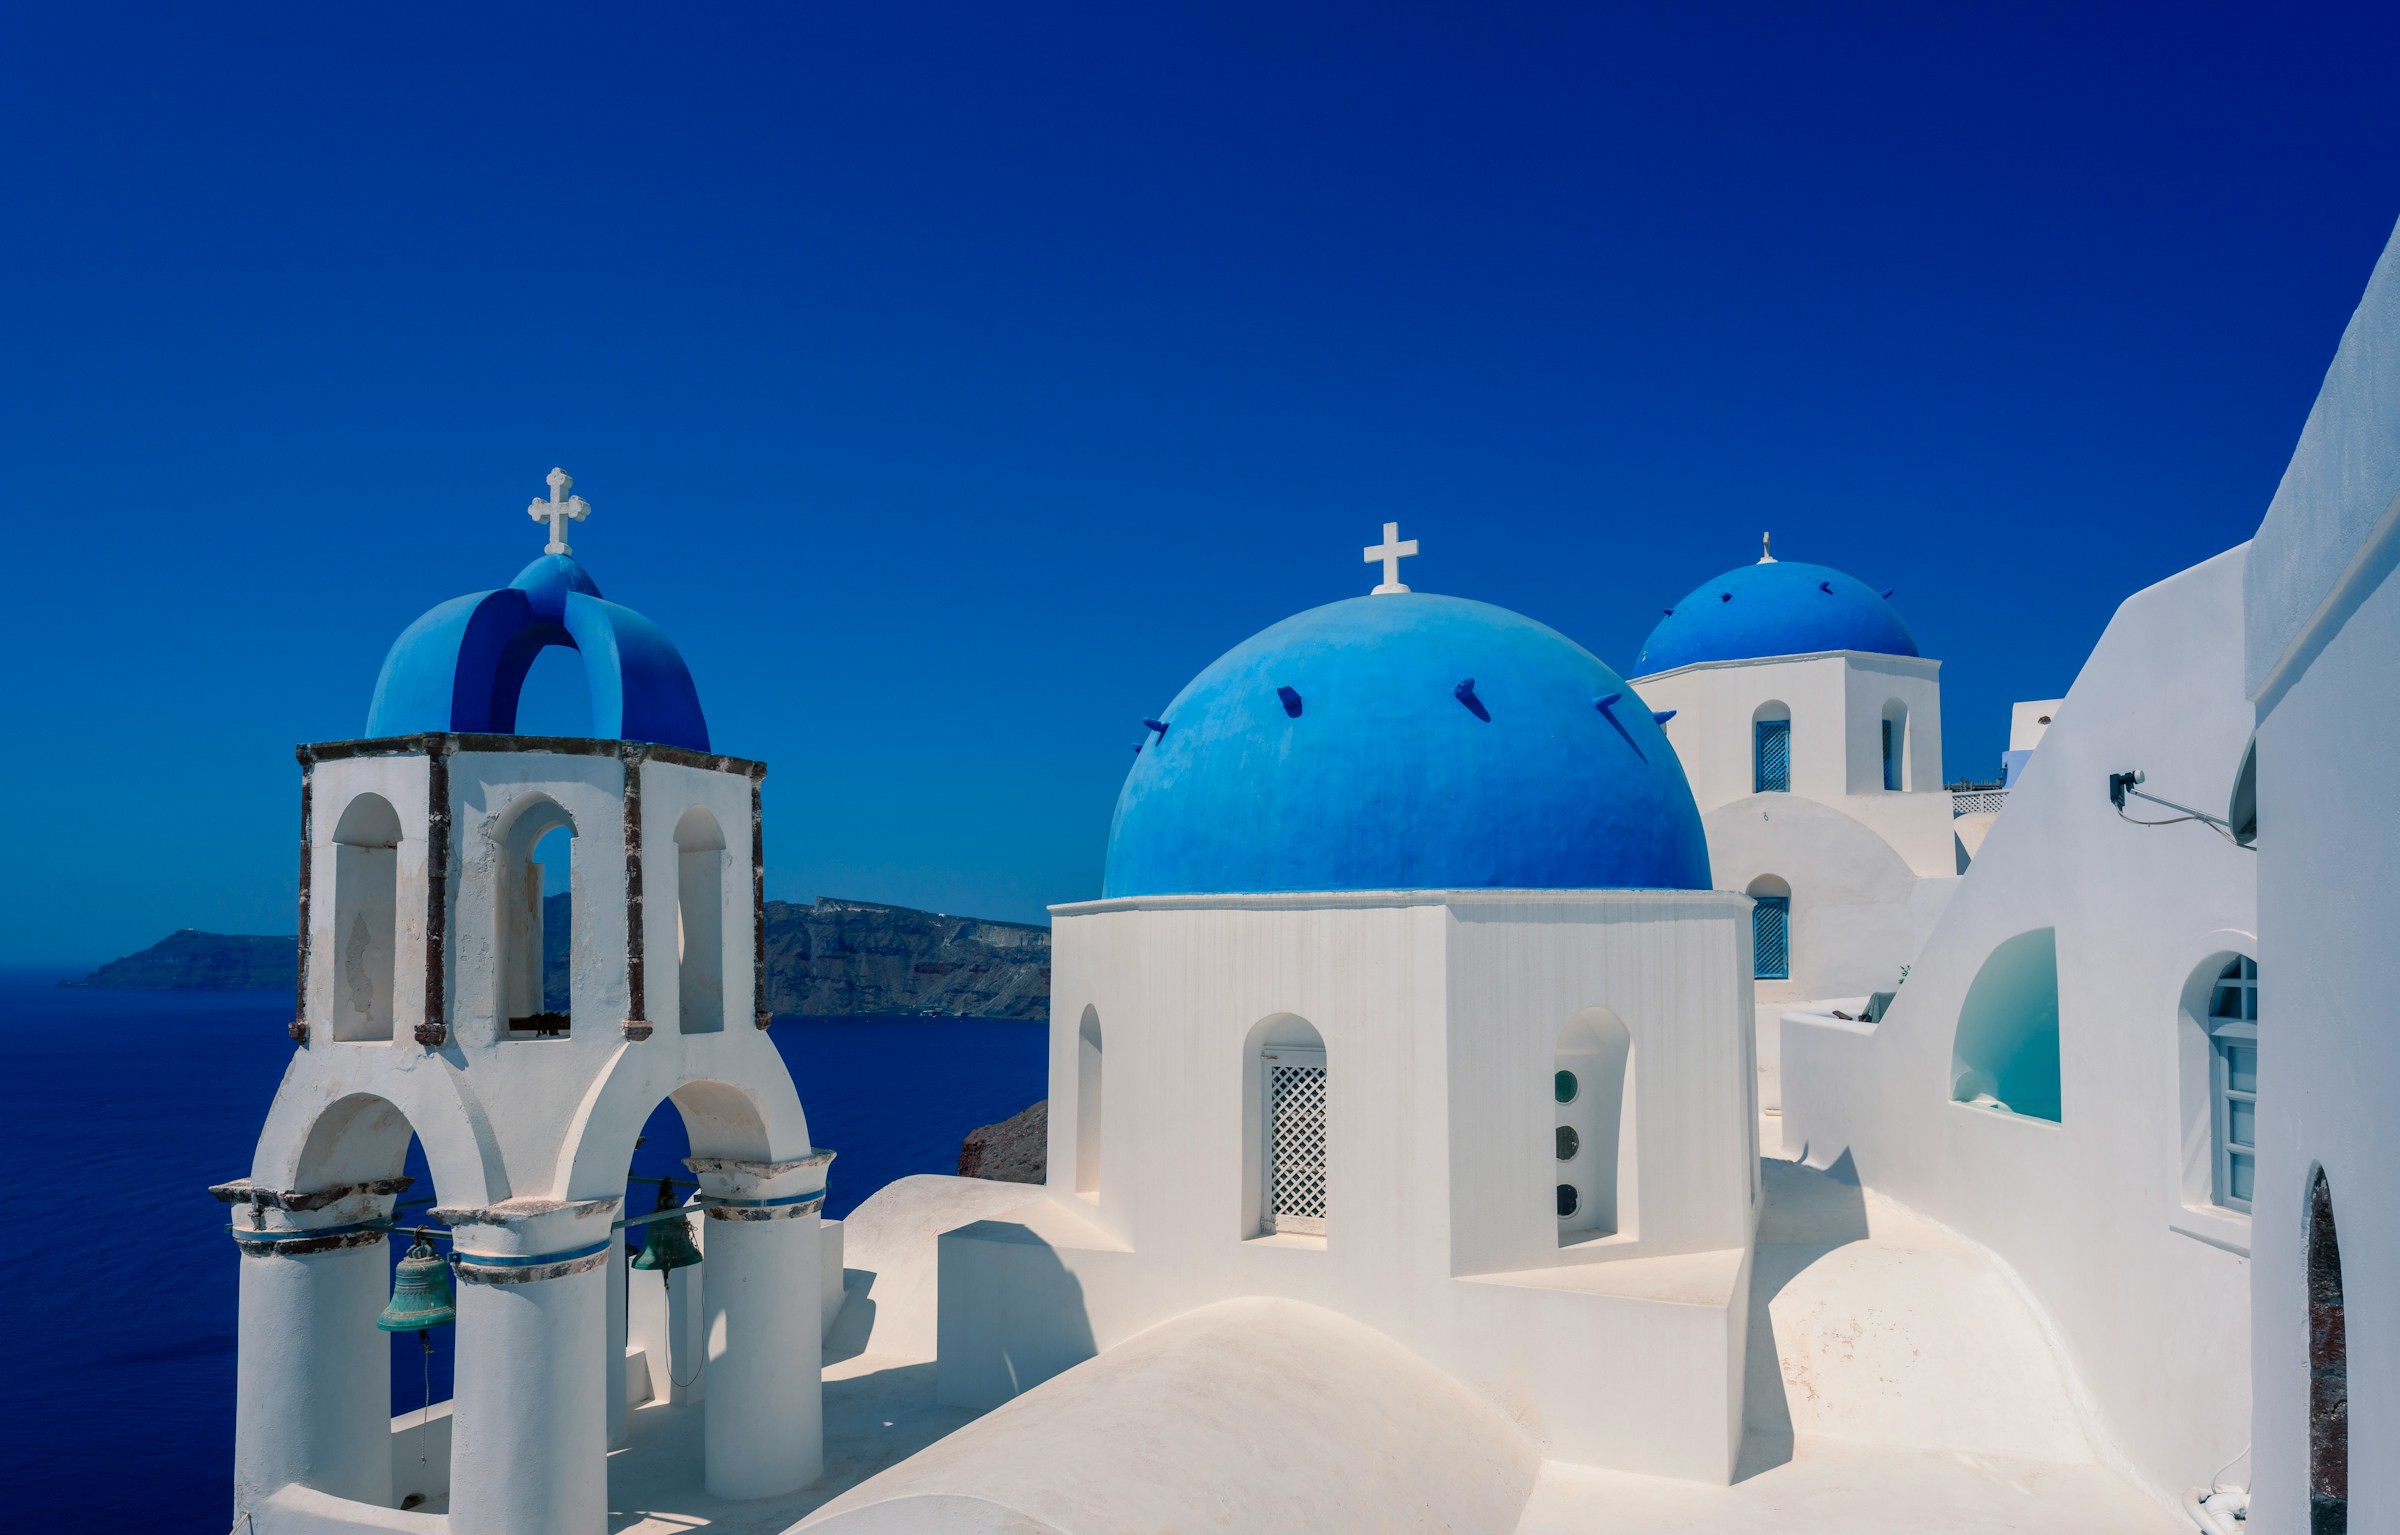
(667, 1243)
(421, 1295)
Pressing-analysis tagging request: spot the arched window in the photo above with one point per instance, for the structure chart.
(2005, 1055)
(1286, 1109)
(1895, 745)
(700, 868)
(2328, 1369)
(1087, 1104)
(1592, 1142)
(537, 921)
(1770, 929)
(366, 918)
(1771, 749)
(2233, 1080)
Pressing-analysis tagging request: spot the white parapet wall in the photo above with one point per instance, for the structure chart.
(2056, 1127)
(2323, 630)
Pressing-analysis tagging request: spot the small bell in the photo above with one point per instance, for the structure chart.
(667, 1241)
(421, 1295)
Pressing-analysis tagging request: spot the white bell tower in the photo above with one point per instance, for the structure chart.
(422, 1011)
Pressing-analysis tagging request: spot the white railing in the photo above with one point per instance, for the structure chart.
(1976, 801)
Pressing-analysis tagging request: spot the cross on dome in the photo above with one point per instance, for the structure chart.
(1391, 551)
(1766, 548)
(559, 510)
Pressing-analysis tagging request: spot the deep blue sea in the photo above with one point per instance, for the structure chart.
(122, 1287)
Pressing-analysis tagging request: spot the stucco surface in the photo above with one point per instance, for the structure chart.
(2342, 483)
(891, 1277)
(2091, 1214)
(1245, 1416)
(1829, 1487)
(1774, 608)
(1396, 774)
(461, 666)
(2328, 843)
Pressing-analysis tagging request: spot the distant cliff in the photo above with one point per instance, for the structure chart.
(838, 957)
(830, 959)
(190, 960)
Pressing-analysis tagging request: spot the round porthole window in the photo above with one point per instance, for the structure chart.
(1563, 1087)
(1568, 1143)
(1568, 1200)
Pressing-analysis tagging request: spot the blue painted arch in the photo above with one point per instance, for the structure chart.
(1775, 608)
(1343, 749)
(462, 666)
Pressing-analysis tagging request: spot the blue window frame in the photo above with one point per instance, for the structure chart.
(2233, 1068)
(1891, 755)
(1773, 765)
(1771, 937)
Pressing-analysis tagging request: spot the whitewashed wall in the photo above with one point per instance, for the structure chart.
(2149, 1296)
(1836, 701)
(1441, 1014)
(2323, 645)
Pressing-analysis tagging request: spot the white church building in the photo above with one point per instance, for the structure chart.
(1492, 1092)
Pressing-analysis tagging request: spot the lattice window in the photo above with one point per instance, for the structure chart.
(1774, 757)
(1296, 1141)
(1771, 937)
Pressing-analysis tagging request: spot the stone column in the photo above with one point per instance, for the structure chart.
(529, 1418)
(312, 1379)
(763, 1424)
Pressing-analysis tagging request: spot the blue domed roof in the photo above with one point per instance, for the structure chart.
(1774, 608)
(1405, 742)
(461, 666)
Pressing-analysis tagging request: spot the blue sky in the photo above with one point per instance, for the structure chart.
(954, 382)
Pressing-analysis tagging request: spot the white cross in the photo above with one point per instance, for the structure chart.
(558, 511)
(1766, 548)
(1391, 551)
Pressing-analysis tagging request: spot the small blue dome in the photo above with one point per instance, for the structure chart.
(1405, 742)
(1774, 608)
(461, 666)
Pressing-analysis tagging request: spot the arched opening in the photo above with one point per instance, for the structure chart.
(1287, 1122)
(1770, 928)
(2328, 1370)
(700, 870)
(1771, 749)
(2005, 1055)
(1895, 745)
(537, 915)
(658, 1332)
(554, 699)
(390, 1382)
(1593, 1140)
(366, 918)
(1088, 1089)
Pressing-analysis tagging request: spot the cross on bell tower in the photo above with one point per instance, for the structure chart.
(1391, 551)
(558, 511)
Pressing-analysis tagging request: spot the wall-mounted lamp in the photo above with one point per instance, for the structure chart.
(2125, 786)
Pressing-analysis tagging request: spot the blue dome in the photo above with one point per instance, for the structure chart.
(1345, 749)
(1774, 608)
(461, 666)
